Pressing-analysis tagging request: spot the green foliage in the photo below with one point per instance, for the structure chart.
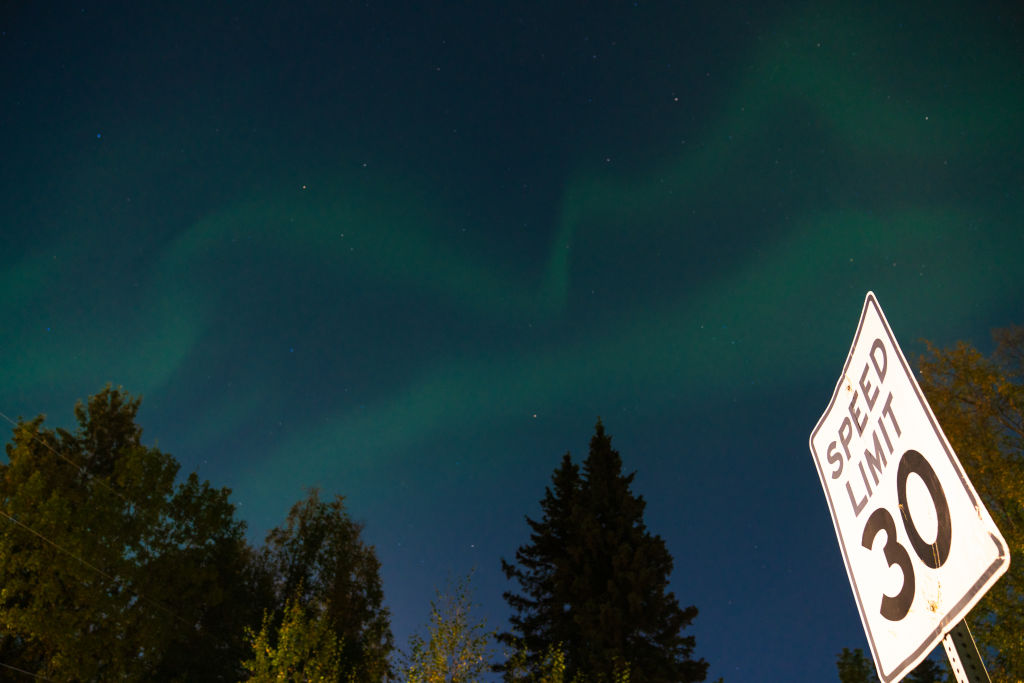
(594, 583)
(854, 667)
(551, 669)
(456, 649)
(304, 649)
(927, 672)
(110, 570)
(548, 668)
(319, 560)
(979, 401)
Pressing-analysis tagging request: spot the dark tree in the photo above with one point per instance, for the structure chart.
(927, 672)
(854, 667)
(594, 582)
(109, 569)
(318, 560)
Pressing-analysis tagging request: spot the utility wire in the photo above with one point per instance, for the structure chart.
(99, 571)
(58, 547)
(96, 569)
(81, 468)
(109, 577)
(113, 579)
(27, 673)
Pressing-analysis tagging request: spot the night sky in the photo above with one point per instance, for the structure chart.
(409, 253)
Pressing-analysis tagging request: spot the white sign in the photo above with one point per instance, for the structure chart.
(919, 546)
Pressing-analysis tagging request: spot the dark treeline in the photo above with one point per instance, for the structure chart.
(114, 567)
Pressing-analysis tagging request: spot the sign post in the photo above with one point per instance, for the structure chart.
(920, 548)
(964, 658)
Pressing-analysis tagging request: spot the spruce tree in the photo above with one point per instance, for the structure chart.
(594, 581)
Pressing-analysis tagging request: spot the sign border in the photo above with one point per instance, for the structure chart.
(975, 593)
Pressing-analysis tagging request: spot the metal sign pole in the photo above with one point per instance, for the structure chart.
(964, 658)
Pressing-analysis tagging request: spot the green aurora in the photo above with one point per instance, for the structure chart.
(332, 310)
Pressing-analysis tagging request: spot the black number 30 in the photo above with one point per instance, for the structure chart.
(893, 608)
(932, 555)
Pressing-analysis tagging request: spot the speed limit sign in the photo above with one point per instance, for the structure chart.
(919, 546)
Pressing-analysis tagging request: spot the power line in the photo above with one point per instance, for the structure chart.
(113, 579)
(99, 571)
(81, 468)
(35, 436)
(58, 547)
(27, 673)
(109, 577)
(96, 569)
